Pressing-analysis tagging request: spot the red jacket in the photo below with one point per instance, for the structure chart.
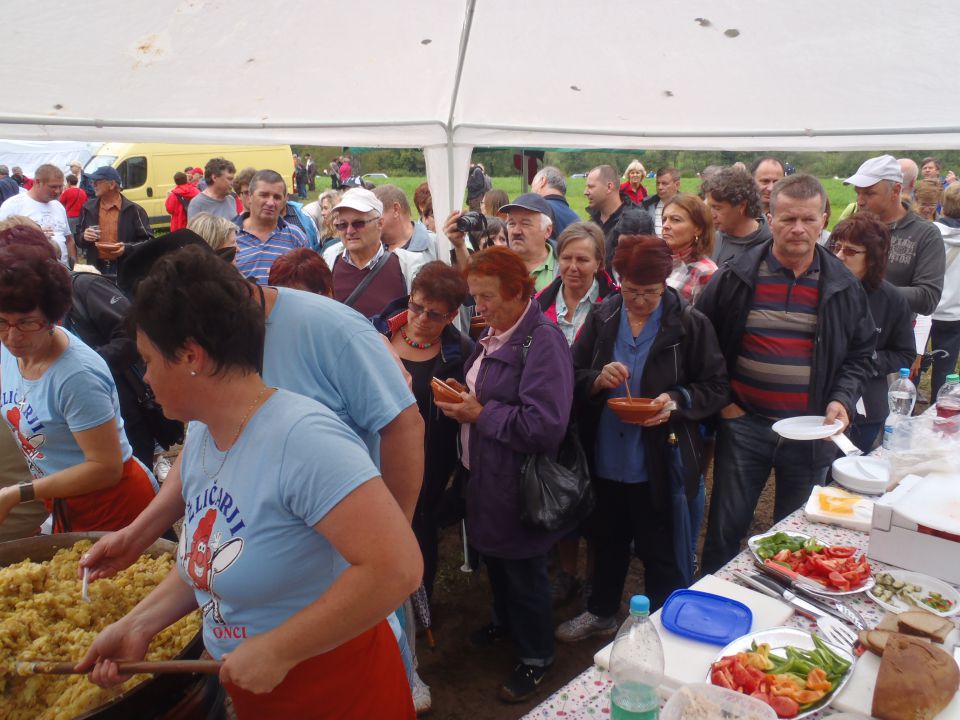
(73, 199)
(638, 196)
(174, 206)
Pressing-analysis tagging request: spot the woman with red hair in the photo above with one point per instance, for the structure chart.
(302, 269)
(649, 337)
(519, 393)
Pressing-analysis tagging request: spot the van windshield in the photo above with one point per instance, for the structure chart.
(99, 161)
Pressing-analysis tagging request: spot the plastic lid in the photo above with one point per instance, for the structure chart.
(953, 378)
(904, 372)
(639, 605)
(705, 617)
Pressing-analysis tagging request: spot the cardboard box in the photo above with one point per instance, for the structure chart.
(898, 539)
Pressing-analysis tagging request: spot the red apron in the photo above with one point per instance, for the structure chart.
(363, 678)
(110, 509)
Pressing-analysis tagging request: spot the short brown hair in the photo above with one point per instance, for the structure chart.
(46, 172)
(643, 259)
(390, 194)
(701, 216)
(217, 166)
(441, 283)
(244, 177)
(503, 263)
(31, 278)
(951, 200)
(304, 269)
(582, 231)
(422, 197)
(798, 187)
(928, 192)
(864, 228)
(493, 200)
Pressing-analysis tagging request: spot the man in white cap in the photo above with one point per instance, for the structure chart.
(366, 276)
(917, 260)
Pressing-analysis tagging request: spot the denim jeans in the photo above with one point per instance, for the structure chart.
(944, 335)
(523, 604)
(747, 450)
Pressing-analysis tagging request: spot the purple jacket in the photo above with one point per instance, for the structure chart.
(526, 409)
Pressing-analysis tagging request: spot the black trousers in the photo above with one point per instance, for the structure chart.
(623, 515)
(523, 604)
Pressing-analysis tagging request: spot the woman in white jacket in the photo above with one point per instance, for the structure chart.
(945, 333)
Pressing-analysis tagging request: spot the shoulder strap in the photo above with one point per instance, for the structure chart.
(374, 271)
(528, 341)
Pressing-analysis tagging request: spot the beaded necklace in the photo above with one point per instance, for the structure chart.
(413, 343)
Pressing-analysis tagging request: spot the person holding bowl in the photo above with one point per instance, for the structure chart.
(276, 487)
(646, 337)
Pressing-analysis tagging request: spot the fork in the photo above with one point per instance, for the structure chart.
(836, 632)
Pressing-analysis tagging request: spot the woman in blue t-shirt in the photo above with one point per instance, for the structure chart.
(59, 399)
(292, 547)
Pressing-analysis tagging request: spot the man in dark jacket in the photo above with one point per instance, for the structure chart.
(798, 339)
(606, 205)
(668, 185)
(8, 186)
(109, 224)
(551, 184)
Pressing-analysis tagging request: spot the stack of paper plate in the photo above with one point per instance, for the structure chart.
(868, 475)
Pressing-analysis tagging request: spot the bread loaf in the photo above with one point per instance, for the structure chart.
(915, 682)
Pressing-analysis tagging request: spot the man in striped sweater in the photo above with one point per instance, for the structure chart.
(795, 329)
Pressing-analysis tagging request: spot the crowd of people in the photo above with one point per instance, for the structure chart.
(292, 350)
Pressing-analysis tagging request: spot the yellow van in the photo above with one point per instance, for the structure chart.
(147, 169)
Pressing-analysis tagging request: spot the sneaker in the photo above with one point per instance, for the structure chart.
(487, 635)
(565, 587)
(161, 468)
(585, 625)
(421, 695)
(523, 683)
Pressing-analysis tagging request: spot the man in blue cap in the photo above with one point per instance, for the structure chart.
(109, 223)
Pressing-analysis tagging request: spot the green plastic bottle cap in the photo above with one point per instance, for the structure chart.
(953, 378)
(639, 605)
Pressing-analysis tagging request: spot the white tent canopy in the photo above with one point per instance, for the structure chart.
(29, 155)
(449, 75)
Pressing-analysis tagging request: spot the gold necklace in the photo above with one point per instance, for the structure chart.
(203, 452)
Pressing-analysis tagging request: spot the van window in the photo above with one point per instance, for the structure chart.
(99, 161)
(133, 172)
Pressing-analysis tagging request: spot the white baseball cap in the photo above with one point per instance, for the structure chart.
(885, 167)
(361, 200)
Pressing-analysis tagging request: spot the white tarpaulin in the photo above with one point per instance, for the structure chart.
(29, 155)
(448, 75)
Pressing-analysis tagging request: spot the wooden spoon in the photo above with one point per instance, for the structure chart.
(155, 667)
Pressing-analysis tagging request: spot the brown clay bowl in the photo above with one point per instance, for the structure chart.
(635, 410)
(442, 391)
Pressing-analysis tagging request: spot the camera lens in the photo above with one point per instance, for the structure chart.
(471, 222)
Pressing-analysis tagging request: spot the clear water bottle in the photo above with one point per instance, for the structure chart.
(901, 397)
(636, 665)
(948, 405)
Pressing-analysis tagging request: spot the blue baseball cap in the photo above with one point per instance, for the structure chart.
(105, 173)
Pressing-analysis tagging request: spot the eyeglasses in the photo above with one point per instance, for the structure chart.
(26, 325)
(847, 250)
(641, 294)
(432, 315)
(355, 224)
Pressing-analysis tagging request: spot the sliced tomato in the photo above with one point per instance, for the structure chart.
(784, 706)
(838, 581)
(721, 678)
(840, 551)
(761, 695)
(745, 679)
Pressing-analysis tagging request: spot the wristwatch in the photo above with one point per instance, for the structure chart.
(26, 491)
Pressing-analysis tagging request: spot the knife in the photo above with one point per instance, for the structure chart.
(846, 445)
(851, 616)
(774, 590)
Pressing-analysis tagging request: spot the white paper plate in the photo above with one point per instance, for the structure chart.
(929, 584)
(868, 475)
(806, 427)
(781, 637)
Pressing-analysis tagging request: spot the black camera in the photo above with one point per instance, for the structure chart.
(472, 222)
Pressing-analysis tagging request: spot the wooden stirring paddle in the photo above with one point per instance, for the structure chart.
(155, 667)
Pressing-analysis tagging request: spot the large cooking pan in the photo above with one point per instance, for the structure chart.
(153, 698)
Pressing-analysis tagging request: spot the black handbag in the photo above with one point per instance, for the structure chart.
(556, 494)
(165, 431)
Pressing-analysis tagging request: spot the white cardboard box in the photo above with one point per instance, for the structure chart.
(897, 540)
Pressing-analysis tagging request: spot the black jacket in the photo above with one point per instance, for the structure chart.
(845, 336)
(133, 226)
(684, 361)
(896, 346)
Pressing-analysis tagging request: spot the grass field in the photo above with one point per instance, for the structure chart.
(840, 195)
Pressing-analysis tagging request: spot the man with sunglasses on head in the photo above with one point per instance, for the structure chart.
(366, 275)
(795, 328)
(262, 233)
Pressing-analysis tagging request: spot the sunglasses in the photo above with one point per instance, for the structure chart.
(432, 315)
(847, 250)
(355, 224)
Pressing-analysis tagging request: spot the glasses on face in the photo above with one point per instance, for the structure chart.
(432, 315)
(847, 250)
(355, 224)
(648, 295)
(26, 325)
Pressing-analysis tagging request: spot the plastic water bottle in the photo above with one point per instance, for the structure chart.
(636, 665)
(948, 405)
(901, 397)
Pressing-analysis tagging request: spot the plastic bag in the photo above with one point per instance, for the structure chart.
(933, 447)
(556, 493)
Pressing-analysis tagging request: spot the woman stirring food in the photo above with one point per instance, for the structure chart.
(59, 400)
(292, 546)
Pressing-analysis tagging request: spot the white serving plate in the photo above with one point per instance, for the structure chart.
(928, 584)
(812, 586)
(779, 638)
(806, 427)
(861, 474)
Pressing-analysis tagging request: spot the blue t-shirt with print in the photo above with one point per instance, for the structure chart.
(320, 348)
(248, 546)
(76, 393)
